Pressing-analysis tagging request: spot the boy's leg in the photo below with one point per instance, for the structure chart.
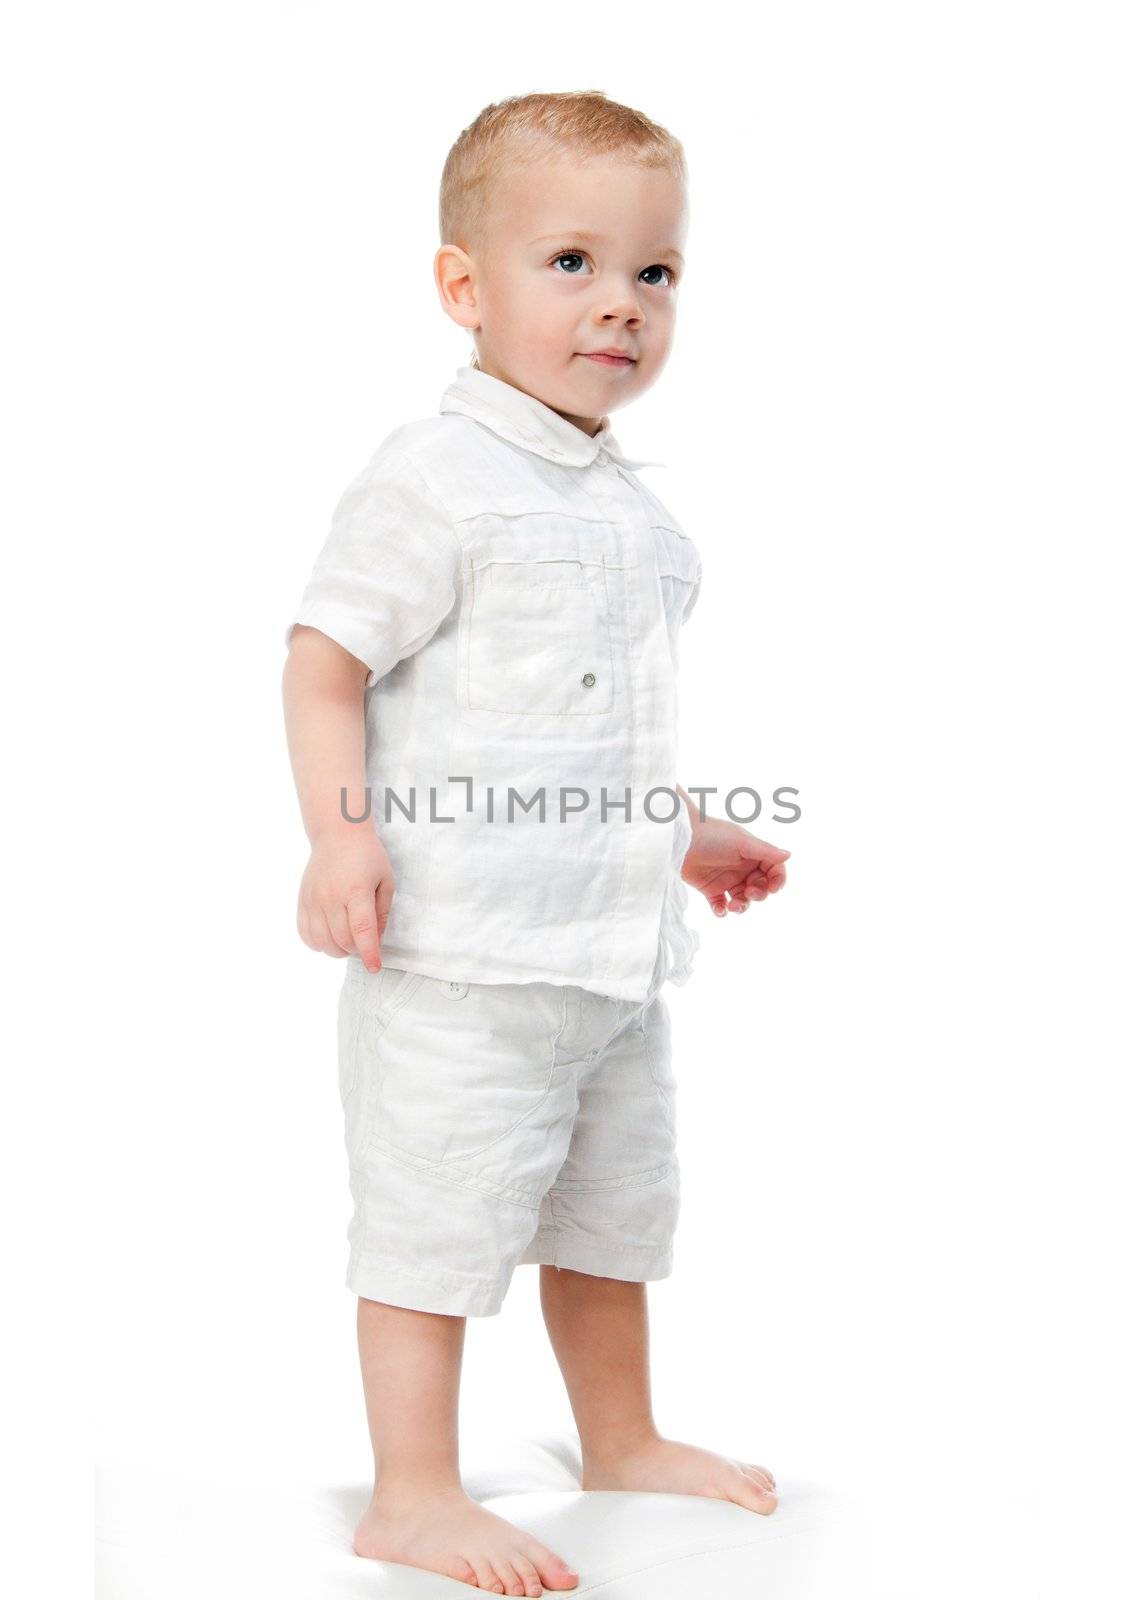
(599, 1330)
(419, 1514)
(455, 1122)
(606, 1227)
(411, 1375)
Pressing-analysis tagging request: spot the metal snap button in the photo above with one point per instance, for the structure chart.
(588, 679)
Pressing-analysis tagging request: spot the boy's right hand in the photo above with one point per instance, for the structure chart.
(345, 895)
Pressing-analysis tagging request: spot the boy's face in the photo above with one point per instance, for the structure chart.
(582, 256)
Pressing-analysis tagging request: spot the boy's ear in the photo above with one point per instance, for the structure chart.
(453, 275)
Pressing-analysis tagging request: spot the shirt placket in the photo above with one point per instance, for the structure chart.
(652, 711)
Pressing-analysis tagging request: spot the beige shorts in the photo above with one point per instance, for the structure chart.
(490, 1124)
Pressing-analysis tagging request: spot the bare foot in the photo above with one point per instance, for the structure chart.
(450, 1533)
(670, 1467)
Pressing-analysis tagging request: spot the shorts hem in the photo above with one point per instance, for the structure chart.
(392, 1285)
(554, 1247)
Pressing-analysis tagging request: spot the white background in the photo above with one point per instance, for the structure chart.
(897, 419)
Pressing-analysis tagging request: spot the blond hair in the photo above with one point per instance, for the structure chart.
(531, 127)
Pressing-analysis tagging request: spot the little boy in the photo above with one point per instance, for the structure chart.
(486, 657)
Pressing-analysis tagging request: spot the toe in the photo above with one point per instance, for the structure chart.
(513, 1583)
(529, 1575)
(750, 1492)
(554, 1573)
(486, 1575)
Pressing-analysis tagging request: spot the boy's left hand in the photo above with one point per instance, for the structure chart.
(725, 860)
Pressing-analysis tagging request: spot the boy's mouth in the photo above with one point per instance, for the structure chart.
(608, 358)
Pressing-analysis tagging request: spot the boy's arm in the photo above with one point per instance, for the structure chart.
(728, 864)
(692, 808)
(345, 895)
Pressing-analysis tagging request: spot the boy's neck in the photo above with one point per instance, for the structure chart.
(588, 425)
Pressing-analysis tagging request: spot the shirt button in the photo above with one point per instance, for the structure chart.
(588, 679)
(455, 991)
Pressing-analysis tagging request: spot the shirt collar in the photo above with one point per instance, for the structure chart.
(523, 420)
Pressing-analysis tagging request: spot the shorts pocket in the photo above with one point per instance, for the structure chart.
(389, 989)
(461, 1069)
(537, 638)
(370, 1002)
(658, 1044)
(366, 1002)
(350, 1021)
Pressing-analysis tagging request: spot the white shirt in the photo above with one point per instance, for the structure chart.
(517, 593)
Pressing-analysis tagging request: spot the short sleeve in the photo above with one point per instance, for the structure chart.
(693, 597)
(389, 572)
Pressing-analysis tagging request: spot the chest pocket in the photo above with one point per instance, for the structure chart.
(536, 637)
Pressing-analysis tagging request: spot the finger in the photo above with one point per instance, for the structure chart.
(383, 900)
(761, 850)
(314, 932)
(339, 924)
(324, 939)
(363, 924)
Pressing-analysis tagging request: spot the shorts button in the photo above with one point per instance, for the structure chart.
(588, 679)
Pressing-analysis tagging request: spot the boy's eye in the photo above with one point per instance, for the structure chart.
(577, 256)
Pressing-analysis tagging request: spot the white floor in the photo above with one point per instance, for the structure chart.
(159, 1535)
